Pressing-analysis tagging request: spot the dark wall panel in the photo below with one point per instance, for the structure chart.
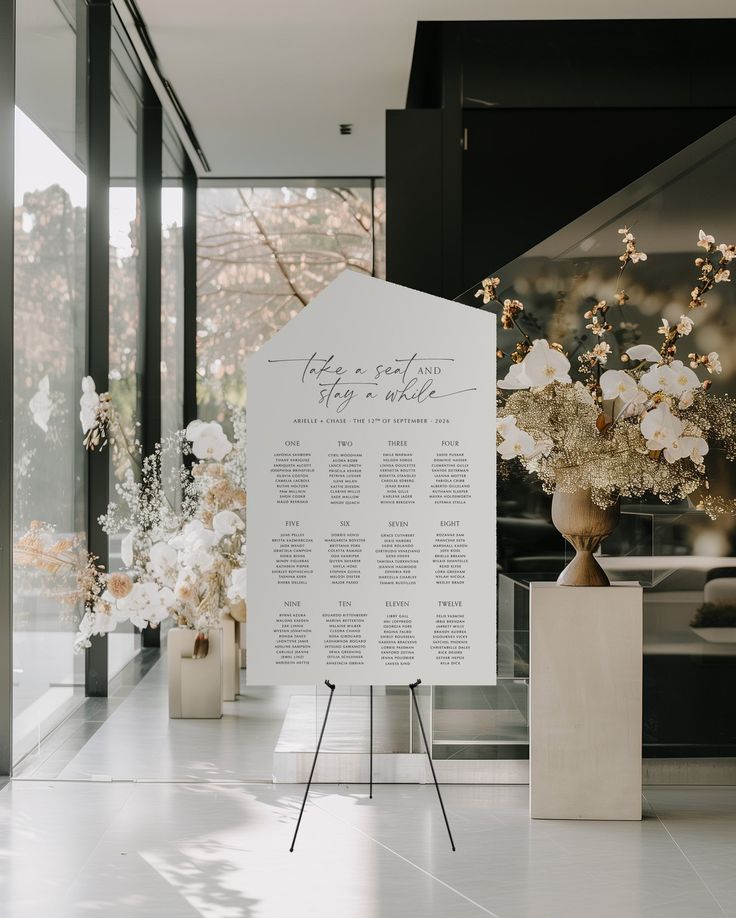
(414, 200)
(529, 172)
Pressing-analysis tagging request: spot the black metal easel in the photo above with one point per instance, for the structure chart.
(429, 757)
(370, 754)
(412, 688)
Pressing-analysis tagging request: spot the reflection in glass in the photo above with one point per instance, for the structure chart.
(126, 326)
(49, 342)
(172, 328)
(669, 548)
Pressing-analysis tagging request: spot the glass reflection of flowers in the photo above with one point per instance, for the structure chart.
(642, 429)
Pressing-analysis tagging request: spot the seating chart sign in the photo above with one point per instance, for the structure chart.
(371, 492)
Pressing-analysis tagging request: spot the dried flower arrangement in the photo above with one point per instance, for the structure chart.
(641, 429)
(186, 562)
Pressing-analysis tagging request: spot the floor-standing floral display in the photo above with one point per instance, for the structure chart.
(600, 432)
(183, 540)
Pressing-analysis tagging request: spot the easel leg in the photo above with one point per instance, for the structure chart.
(429, 756)
(370, 792)
(331, 687)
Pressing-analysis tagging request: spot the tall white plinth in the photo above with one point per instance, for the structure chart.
(195, 686)
(585, 701)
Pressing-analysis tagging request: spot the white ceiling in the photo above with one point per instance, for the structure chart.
(266, 83)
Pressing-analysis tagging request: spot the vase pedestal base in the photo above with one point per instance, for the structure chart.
(585, 701)
(584, 570)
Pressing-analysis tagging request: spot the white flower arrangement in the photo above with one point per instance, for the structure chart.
(188, 563)
(644, 428)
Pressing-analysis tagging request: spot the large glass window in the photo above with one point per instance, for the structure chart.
(263, 253)
(126, 322)
(49, 342)
(172, 302)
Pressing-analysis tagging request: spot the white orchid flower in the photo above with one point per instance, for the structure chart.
(163, 559)
(660, 428)
(693, 448)
(541, 366)
(97, 623)
(619, 384)
(657, 379)
(146, 603)
(644, 352)
(41, 405)
(208, 440)
(88, 404)
(226, 523)
(192, 428)
(193, 544)
(704, 240)
(518, 443)
(682, 380)
(192, 535)
(84, 632)
(160, 610)
(671, 378)
(544, 364)
(698, 448)
(238, 584)
(505, 424)
(516, 378)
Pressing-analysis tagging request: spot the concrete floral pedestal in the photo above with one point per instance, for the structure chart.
(585, 701)
(195, 686)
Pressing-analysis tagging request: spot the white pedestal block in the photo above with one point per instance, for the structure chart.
(230, 657)
(585, 701)
(195, 686)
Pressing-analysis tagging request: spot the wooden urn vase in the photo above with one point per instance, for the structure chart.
(585, 525)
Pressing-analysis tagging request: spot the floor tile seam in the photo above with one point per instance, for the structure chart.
(406, 860)
(685, 857)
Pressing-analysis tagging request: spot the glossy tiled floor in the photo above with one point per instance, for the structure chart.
(120, 850)
(129, 735)
(147, 838)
